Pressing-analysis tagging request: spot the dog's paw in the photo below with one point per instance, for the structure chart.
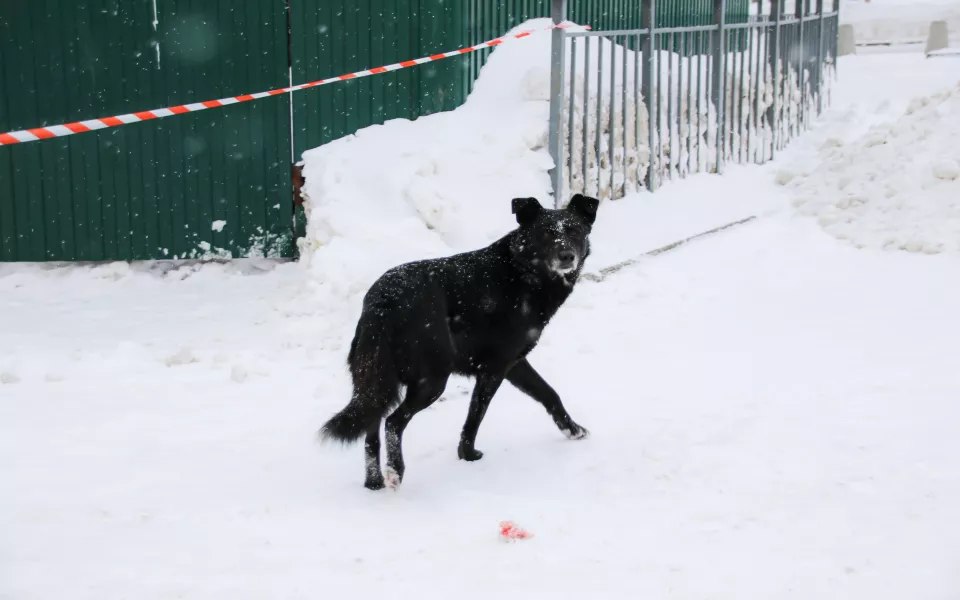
(575, 432)
(391, 478)
(469, 454)
(374, 483)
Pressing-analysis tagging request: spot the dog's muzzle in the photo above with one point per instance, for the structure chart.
(566, 261)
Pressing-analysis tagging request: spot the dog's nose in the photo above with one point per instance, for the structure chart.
(566, 258)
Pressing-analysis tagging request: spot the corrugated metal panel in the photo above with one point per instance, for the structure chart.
(331, 37)
(149, 190)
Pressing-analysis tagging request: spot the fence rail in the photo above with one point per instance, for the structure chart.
(634, 108)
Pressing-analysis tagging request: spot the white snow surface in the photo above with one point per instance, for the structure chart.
(896, 187)
(886, 173)
(773, 411)
(898, 20)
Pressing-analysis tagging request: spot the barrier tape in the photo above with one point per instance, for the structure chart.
(55, 131)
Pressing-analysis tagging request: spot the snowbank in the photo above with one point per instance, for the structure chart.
(897, 186)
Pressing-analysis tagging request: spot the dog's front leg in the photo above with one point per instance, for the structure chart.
(527, 380)
(487, 386)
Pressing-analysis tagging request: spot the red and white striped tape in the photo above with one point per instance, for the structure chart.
(54, 131)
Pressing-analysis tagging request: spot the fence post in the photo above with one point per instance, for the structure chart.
(648, 17)
(558, 13)
(776, 10)
(801, 6)
(820, 57)
(836, 39)
(720, 78)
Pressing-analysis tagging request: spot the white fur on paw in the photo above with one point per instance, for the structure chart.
(391, 478)
(578, 435)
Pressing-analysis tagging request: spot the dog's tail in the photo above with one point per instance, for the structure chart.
(376, 385)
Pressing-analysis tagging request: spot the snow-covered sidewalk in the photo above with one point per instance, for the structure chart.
(774, 415)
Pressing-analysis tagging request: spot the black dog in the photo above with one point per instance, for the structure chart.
(479, 314)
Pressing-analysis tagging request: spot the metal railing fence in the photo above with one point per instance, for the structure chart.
(633, 108)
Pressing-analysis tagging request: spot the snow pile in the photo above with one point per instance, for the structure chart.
(897, 186)
(898, 20)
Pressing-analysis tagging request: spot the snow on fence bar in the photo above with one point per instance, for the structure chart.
(708, 95)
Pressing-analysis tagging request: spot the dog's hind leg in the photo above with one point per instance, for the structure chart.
(371, 449)
(419, 396)
(487, 386)
(527, 380)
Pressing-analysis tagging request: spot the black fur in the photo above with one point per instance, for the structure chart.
(479, 314)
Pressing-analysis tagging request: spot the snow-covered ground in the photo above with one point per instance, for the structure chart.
(887, 173)
(773, 411)
(898, 20)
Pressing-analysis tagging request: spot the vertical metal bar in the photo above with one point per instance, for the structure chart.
(791, 57)
(708, 95)
(691, 105)
(671, 129)
(758, 147)
(835, 36)
(660, 126)
(681, 59)
(820, 57)
(801, 12)
(688, 57)
(558, 13)
(736, 97)
(786, 94)
(729, 108)
(744, 59)
(623, 110)
(781, 84)
(751, 81)
(784, 75)
(600, 41)
(736, 110)
(738, 92)
(570, 107)
(792, 50)
(719, 76)
(585, 117)
(723, 97)
(636, 102)
(648, 15)
(612, 136)
(700, 90)
(744, 123)
(774, 113)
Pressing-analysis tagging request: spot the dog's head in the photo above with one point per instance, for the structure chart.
(554, 243)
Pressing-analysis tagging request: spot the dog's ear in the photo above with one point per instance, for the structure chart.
(584, 206)
(526, 209)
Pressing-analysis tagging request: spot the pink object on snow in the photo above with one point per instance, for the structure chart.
(511, 531)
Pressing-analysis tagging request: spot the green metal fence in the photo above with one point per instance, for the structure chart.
(151, 190)
(218, 182)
